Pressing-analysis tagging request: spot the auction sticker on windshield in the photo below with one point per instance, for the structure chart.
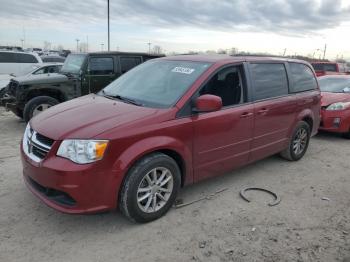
(183, 70)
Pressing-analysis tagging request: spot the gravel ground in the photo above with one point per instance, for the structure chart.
(303, 227)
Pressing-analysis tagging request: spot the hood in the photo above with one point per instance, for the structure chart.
(330, 98)
(91, 115)
(41, 79)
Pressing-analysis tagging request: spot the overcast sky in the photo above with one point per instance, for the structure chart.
(300, 26)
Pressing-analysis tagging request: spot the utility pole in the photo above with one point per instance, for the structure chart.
(77, 44)
(284, 53)
(22, 40)
(87, 43)
(108, 26)
(324, 51)
(149, 47)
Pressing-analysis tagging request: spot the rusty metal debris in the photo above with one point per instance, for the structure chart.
(274, 203)
(179, 202)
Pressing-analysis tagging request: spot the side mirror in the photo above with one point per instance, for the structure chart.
(208, 103)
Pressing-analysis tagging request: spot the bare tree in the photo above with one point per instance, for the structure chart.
(157, 50)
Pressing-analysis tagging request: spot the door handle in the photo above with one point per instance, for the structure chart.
(263, 111)
(246, 114)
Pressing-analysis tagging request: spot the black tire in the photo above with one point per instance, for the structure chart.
(289, 153)
(18, 112)
(35, 102)
(347, 135)
(128, 202)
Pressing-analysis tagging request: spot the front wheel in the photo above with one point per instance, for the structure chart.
(37, 105)
(298, 143)
(150, 188)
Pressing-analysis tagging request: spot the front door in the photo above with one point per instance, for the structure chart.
(101, 72)
(222, 138)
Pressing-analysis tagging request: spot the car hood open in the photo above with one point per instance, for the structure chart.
(330, 98)
(88, 116)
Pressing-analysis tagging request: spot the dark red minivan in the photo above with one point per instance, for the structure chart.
(167, 123)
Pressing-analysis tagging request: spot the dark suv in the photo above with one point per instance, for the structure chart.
(81, 74)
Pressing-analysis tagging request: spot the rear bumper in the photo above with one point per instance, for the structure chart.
(71, 188)
(335, 121)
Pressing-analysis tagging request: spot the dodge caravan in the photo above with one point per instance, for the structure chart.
(168, 123)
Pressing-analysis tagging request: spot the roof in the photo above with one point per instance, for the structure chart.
(230, 59)
(334, 76)
(121, 53)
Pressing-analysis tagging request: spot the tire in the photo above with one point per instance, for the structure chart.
(36, 104)
(347, 135)
(131, 203)
(291, 152)
(18, 112)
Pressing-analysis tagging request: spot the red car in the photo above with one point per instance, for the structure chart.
(167, 123)
(329, 68)
(335, 104)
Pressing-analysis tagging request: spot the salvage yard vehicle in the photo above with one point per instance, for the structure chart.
(36, 69)
(167, 123)
(335, 110)
(329, 68)
(81, 74)
(17, 63)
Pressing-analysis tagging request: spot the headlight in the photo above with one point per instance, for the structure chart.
(82, 151)
(339, 106)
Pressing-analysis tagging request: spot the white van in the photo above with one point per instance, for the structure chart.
(17, 63)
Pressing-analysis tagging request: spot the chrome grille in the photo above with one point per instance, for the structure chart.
(35, 145)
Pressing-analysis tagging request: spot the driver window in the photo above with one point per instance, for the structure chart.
(227, 84)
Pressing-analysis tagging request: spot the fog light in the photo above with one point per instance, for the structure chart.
(336, 122)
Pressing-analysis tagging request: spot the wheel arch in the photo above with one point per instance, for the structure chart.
(167, 145)
(54, 93)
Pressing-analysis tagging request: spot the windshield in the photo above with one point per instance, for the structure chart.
(334, 85)
(73, 63)
(157, 83)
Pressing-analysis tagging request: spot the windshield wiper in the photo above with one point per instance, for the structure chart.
(122, 98)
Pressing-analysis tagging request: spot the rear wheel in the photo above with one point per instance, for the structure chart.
(150, 188)
(347, 135)
(298, 143)
(37, 105)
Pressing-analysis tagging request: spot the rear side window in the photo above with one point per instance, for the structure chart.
(101, 65)
(303, 78)
(126, 63)
(26, 58)
(269, 80)
(7, 57)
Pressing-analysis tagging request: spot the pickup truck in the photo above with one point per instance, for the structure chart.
(81, 74)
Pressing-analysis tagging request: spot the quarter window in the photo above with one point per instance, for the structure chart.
(269, 80)
(127, 63)
(26, 58)
(101, 66)
(303, 78)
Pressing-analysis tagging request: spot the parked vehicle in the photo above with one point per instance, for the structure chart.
(35, 70)
(81, 74)
(17, 63)
(167, 123)
(53, 59)
(329, 68)
(335, 104)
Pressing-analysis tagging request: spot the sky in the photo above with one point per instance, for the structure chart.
(300, 27)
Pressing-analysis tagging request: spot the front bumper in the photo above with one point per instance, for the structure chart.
(71, 188)
(8, 101)
(337, 121)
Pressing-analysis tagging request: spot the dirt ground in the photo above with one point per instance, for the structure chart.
(303, 227)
